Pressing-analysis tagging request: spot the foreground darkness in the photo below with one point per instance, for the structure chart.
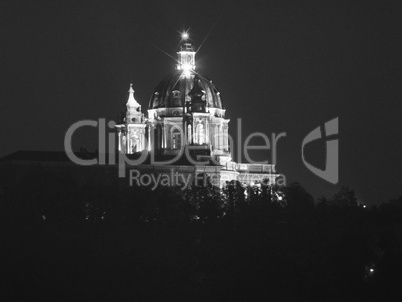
(61, 241)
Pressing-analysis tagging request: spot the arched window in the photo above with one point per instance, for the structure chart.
(134, 143)
(176, 139)
(176, 102)
(200, 137)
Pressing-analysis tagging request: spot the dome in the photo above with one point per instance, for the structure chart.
(172, 92)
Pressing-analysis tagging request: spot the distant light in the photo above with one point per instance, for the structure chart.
(184, 35)
(364, 206)
(280, 198)
(371, 270)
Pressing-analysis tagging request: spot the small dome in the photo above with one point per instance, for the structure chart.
(174, 89)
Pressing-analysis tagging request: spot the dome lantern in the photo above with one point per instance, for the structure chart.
(186, 56)
(171, 96)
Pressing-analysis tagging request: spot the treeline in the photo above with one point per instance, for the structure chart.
(61, 241)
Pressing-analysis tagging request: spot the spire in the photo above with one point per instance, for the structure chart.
(133, 114)
(131, 102)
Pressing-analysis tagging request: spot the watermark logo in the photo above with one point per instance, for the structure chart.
(199, 139)
(151, 180)
(331, 173)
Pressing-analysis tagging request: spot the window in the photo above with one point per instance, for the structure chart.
(189, 134)
(176, 102)
(200, 138)
(135, 143)
(176, 139)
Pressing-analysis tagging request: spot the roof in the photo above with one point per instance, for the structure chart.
(173, 90)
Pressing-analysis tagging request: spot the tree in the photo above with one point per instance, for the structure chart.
(344, 198)
(297, 198)
(208, 201)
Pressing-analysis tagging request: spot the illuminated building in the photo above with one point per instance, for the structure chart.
(186, 121)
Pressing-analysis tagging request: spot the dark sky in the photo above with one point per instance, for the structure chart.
(281, 66)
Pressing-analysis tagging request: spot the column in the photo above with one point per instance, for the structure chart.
(221, 137)
(119, 140)
(215, 136)
(207, 134)
(150, 129)
(163, 128)
(227, 136)
(129, 143)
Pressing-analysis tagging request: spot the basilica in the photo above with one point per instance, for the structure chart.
(185, 128)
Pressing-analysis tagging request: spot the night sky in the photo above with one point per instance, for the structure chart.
(280, 66)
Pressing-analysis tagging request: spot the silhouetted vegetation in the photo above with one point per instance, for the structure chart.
(61, 241)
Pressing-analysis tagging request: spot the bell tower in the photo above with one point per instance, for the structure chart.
(131, 134)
